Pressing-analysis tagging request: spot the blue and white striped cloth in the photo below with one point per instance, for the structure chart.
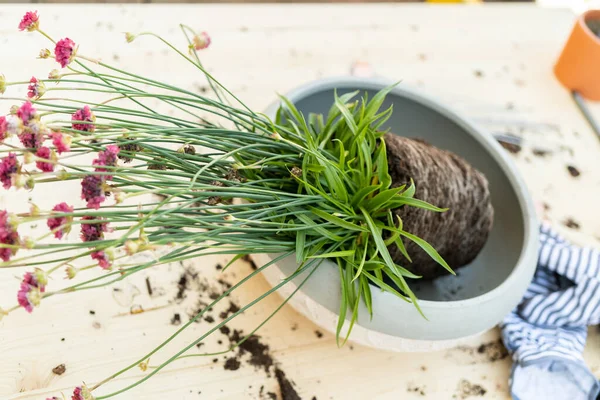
(546, 332)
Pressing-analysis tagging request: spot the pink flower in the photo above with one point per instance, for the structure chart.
(64, 51)
(108, 158)
(8, 168)
(86, 115)
(32, 287)
(92, 232)
(102, 258)
(92, 190)
(36, 89)
(82, 393)
(3, 128)
(30, 139)
(201, 41)
(8, 236)
(29, 22)
(61, 225)
(26, 112)
(61, 142)
(46, 154)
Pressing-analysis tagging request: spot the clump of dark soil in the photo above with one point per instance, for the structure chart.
(493, 351)
(287, 390)
(571, 223)
(573, 171)
(467, 389)
(232, 364)
(412, 388)
(59, 369)
(250, 261)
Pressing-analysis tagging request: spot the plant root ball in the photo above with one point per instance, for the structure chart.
(445, 180)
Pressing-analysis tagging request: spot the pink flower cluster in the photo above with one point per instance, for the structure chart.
(90, 232)
(36, 89)
(201, 41)
(8, 236)
(3, 128)
(93, 186)
(87, 117)
(82, 393)
(45, 163)
(64, 51)
(29, 22)
(61, 142)
(8, 168)
(32, 287)
(102, 258)
(60, 225)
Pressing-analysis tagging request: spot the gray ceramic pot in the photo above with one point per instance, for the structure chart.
(456, 307)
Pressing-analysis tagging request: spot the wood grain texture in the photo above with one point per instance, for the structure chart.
(491, 63)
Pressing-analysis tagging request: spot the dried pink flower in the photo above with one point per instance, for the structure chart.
(26, 112)
(201, 41)
(64, 51)
(86, 115)
(92, 190)
(8, 236)
(36, 89)
(108, 158)
(3, 128)
(32, 286)
(102, 258)
(61, 225)
(47, 164)
(61, 142)
(91, 232)
(82, 393)
(30, 21)
(31, 140)
(8, 168)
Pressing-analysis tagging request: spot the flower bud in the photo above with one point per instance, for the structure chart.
(129, 37)
(28, 243)
(120, 197)
(44, 53)
(54, 74)
(34, 210)
(2, 84)
(131, 247)
(19, 181)
(28, 157)
(71, 271)
(41, 276)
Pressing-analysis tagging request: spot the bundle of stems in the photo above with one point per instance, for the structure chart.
(215, 177)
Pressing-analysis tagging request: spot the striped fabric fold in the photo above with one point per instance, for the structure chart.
(551, 321)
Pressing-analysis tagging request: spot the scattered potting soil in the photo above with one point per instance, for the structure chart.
(467, 389)
(571, 223)
(233, 308)
(319, 334)
(511, 147)
(493, 351)
(176, 319)
(287, 390)
(412, 388)
(148, 287)
(573, 171)
(232, 364)
(59, 369)
(250, 261)
(541, 152)
(594, 26)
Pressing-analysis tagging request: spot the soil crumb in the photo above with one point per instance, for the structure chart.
(176, 319)
(478, 73)
(287, 390)
(541, 152)
(250, 261)
(467, 389)
(412, 388)
(493, 351)
(574, 172)
(59, 369)
(232, 364)
(319, 334)
(571, 223)
(511, 147)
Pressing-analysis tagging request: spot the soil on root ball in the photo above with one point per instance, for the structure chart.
(445, 180)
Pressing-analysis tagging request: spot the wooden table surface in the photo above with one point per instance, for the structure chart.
(492, 63)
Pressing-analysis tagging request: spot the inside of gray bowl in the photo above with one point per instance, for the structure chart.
(417, 117)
